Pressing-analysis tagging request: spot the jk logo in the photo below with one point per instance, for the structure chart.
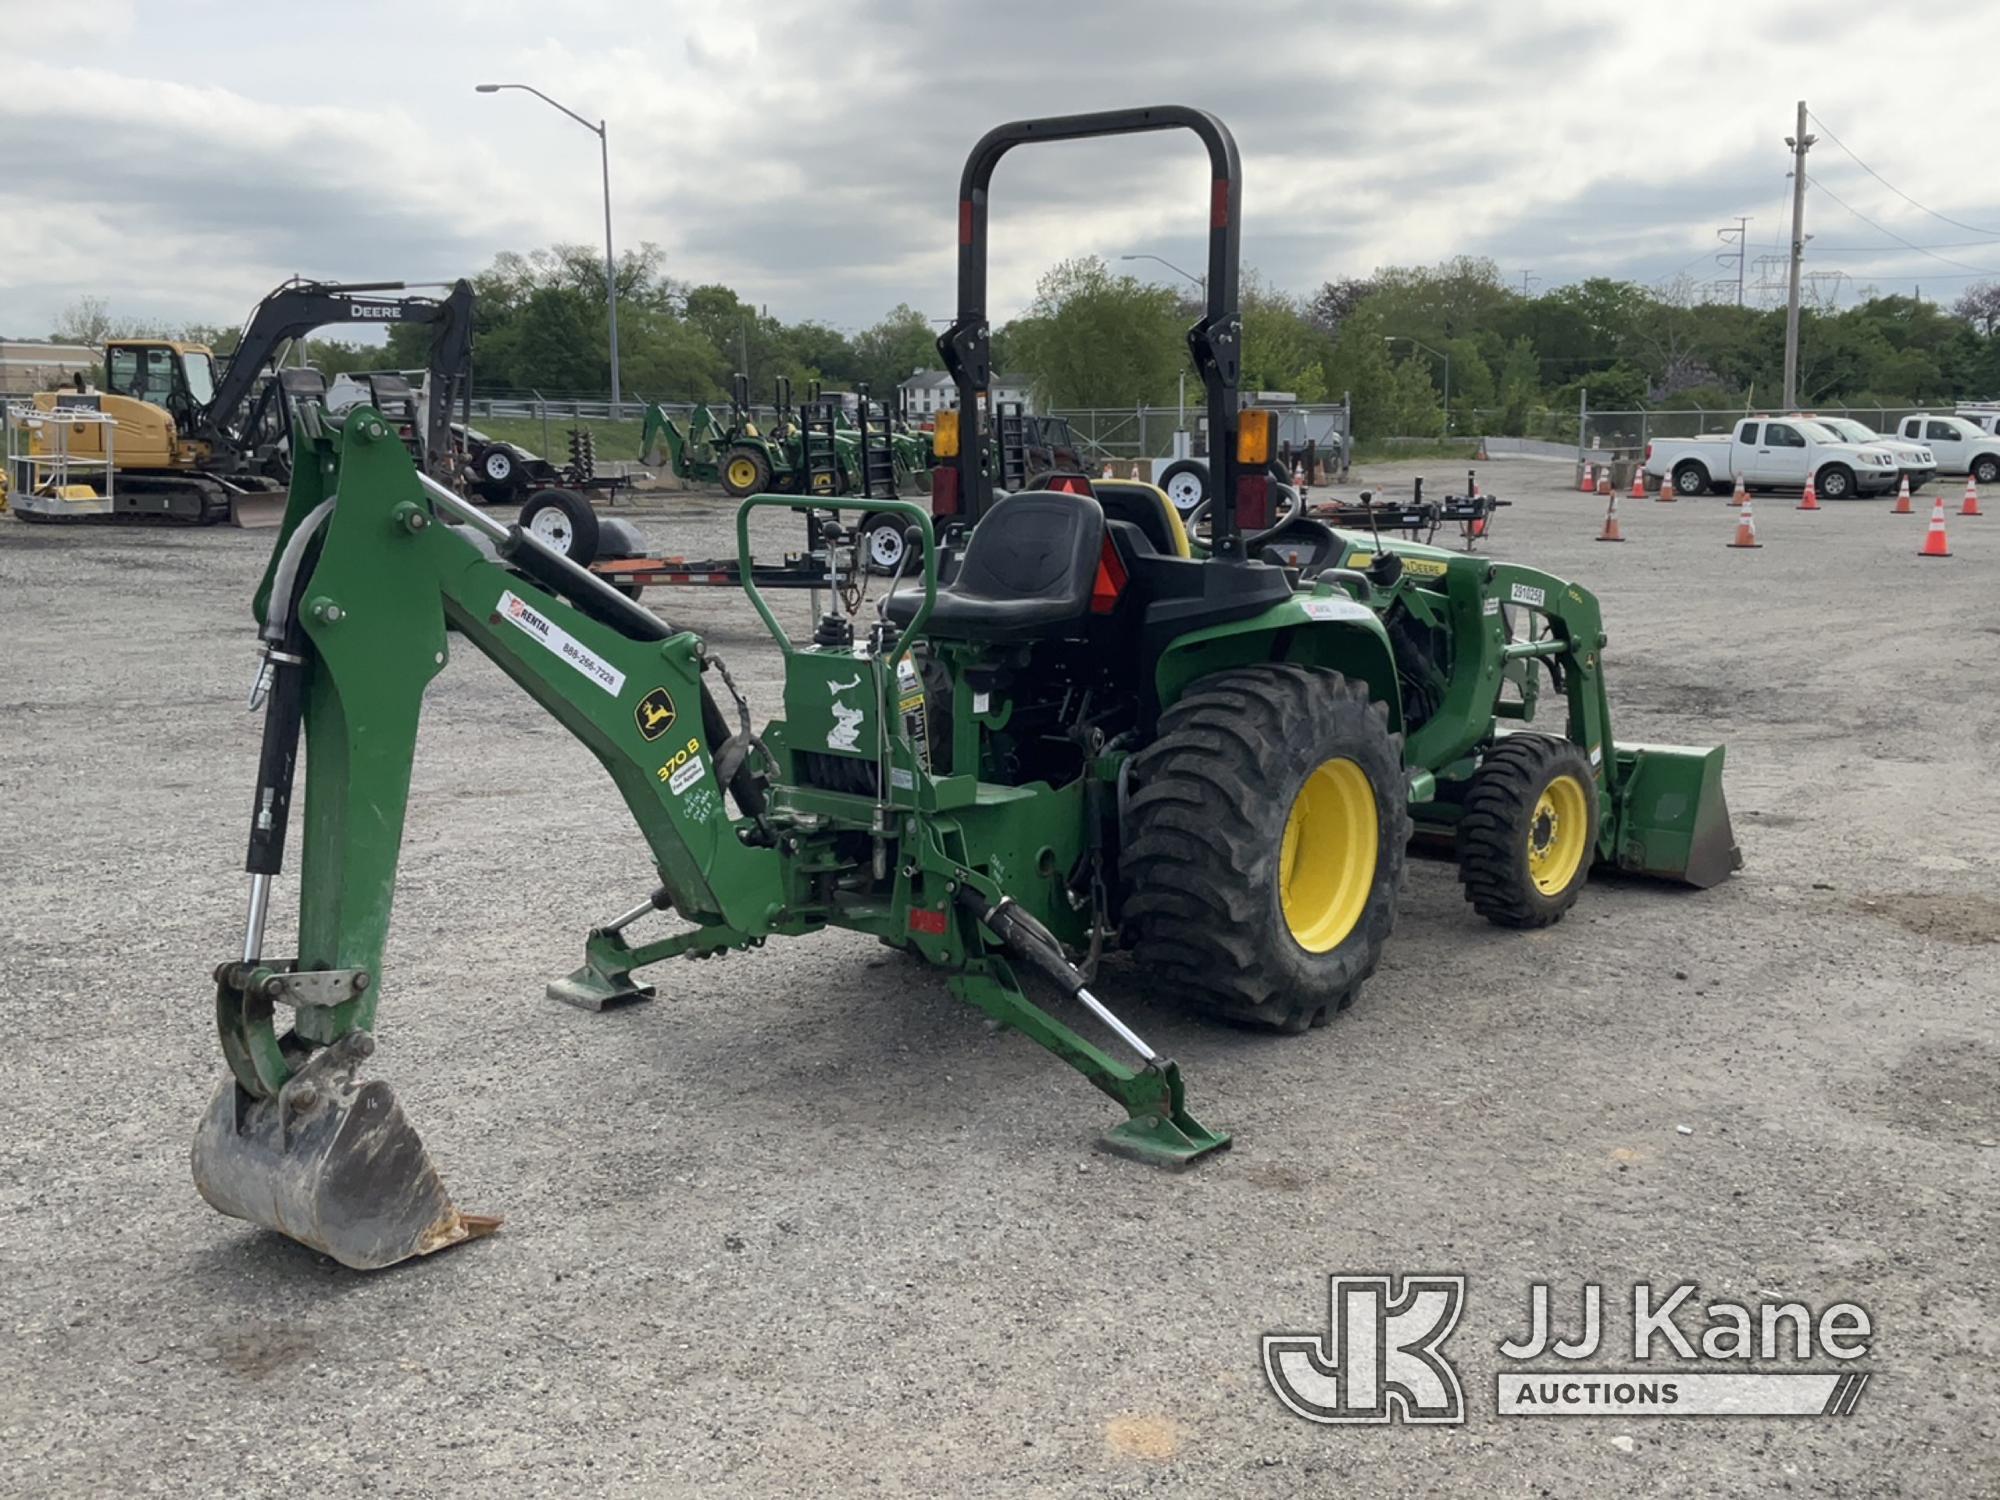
(1379, 1359)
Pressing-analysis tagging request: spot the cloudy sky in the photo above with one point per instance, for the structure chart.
(179, 157)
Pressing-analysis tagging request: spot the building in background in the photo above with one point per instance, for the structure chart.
(929, 392)
(30, 365)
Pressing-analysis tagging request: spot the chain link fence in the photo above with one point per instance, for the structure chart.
(1127, 433)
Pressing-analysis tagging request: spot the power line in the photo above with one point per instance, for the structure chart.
(1906, 244)
(1947, 218)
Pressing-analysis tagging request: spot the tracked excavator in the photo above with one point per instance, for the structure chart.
(188, 444)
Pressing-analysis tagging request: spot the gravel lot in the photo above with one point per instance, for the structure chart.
(805, 1226)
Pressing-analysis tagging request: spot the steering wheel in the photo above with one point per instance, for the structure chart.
(1290, 508)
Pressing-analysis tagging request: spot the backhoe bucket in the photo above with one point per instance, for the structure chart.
(1673, 820)
(330, 1162)
(256, 509)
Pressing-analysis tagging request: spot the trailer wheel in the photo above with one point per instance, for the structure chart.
(745, 471)
(564, 522)
(1529, 831)
(883, 543)
(1186, 483)
(1264, 846)
(496, 467)
(1691, 479)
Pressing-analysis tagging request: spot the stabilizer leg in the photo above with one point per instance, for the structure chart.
(1160, 1130)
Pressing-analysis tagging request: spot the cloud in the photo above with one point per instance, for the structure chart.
(808, 153)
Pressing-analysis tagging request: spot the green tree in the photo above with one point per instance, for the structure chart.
(894, 349)
(1094, 339)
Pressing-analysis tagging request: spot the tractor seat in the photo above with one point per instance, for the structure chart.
(1147, 507)
(1026, 573)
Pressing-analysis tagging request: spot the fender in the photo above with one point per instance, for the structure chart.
(1323, 629)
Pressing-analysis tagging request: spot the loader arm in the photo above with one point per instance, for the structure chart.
(1661, 809)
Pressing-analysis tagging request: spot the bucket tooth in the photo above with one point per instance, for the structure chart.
(330, 1162)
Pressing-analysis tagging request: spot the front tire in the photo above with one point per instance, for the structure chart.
(745, 471)
(1835, 482)
(1529, 831)
(1691, 479)
(1265, 845)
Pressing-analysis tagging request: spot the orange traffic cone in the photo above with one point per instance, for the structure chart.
(1746, 528)
(1935, 544)
(1481, 454)
(1809, 501)
(1742, 495)
(1638, 482)
(1903, 507)
(1611, 533)
(1970, 505)
(1666, 492)
(1133, 472)
(1604, 483)
(1588, 483)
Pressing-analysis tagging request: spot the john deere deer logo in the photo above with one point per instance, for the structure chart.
(655, 713)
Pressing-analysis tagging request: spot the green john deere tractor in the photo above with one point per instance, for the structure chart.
(1060, 731)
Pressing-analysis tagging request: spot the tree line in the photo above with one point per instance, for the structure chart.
(1093, 336)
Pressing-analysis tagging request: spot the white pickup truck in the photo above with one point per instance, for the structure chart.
(1773, 454)
(1961, 447)
(1918, 462)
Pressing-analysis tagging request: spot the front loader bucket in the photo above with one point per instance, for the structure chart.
(330, 1162)
(1673, 820)
(256, 509)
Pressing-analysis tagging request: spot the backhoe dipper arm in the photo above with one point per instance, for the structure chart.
(292, 1139)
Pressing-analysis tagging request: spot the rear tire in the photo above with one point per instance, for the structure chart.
(564, 522)
(1986, 469)
(1691, 479)
(1529, 831)
(1265, 845)
(1186, 484)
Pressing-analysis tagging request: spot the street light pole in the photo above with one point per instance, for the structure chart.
(610, 261)
(1443, 354)
(1200, 281)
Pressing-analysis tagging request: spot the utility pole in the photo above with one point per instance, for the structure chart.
(1528, 277)
(1800, 143)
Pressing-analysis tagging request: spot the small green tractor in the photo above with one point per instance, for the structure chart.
(1062, 730)
(817, 448)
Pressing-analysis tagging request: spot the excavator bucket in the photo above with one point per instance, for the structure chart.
(1673, 820)
(332, 1163)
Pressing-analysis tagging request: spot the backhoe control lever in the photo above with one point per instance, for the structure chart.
(1036, 944)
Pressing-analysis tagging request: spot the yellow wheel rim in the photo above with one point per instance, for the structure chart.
(1326, 866)
(1558, 834)
(742, 473)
